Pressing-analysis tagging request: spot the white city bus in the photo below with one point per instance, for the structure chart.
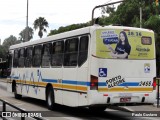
(94, 66)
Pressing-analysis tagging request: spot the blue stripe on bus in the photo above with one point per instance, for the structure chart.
(122, 84)
(88, 83)
(76, 82)
(102, 83)
(84, 83)
(50, 80)
(69, 82)
(15, 77)
(129, 84)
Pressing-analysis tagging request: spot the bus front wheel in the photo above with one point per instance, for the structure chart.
(50, 98)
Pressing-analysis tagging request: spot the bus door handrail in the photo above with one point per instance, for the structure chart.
(4, 103)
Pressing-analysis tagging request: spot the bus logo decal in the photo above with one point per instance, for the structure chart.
(115, 81)
(102, 72)
(147, 68)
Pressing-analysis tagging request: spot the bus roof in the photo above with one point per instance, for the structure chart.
(72, 33)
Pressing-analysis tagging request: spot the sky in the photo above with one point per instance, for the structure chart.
(57, 12)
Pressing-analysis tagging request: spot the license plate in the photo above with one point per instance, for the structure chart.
(125, 99)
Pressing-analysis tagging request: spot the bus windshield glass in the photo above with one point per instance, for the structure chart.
(125, 44)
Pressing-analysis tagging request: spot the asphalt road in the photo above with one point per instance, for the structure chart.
(71, 113)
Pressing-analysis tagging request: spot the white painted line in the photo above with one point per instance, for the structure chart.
(41, 118)
(151, 118)
(71, 118)
(110, 109)
(45, 119)
(128, 109)
(14, 104)
(10, 119)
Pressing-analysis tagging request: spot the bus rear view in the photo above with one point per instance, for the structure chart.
(122, 66)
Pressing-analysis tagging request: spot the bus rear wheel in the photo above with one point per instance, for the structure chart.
(17, 96)
(50, 98)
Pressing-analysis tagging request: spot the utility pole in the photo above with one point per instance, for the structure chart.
(140, 9)
(27, 30)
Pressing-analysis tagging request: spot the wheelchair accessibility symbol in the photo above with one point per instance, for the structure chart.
(102, 72)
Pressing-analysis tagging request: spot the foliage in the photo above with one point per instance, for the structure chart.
(41, 24)
(108, 9)
(2, 52)
(11, 40)
(68, 28)
(23, 34)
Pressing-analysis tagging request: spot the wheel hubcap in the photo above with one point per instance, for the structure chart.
(49, 99)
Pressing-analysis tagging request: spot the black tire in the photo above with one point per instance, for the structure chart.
(17, 96)
(50, 98)
(97, 108)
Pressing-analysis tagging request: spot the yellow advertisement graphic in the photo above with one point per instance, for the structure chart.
(125, 44)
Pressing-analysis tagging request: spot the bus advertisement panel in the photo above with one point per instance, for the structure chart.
(136, 44)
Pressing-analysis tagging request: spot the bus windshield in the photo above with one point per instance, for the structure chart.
(125, 44)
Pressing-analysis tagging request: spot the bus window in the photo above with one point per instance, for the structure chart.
(57, 56)
(28, 60)
(9, 64)
(37, 56)
(46, 55)
(15, 58)
(83, 50)
(21, 57)
(9, 58)
(71, 52)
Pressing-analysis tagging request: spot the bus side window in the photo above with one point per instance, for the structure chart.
(57, 56)
(28, 59)
(46, 55)
(37, 54)
(71, 52)
(9, 64)
(15, 58)
(83, 50)
(21, 57)
(9, 60)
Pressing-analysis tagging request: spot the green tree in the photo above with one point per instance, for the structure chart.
(2, 52)
(68, 28)
(11, 40)
(23, 34)
(41, 24)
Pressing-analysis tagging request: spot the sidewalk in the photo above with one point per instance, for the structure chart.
(3, 79)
